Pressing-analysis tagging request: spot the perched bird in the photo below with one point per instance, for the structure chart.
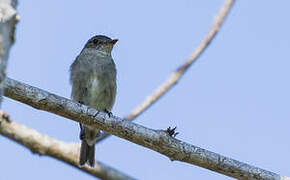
(93, 79)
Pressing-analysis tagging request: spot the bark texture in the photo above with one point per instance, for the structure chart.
(45, 145)
(157, 140)
(8, 20)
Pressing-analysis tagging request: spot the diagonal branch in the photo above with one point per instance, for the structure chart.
(45, 145)
(157, 140)
(177, 75)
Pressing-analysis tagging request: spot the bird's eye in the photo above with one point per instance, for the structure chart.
(95, 41)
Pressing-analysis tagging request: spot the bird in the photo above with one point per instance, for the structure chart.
(93, 79)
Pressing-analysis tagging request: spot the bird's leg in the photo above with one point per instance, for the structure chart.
(82, 133)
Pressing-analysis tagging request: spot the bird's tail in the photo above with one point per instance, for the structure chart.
(87, 154)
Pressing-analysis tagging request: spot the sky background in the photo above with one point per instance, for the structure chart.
(234, 101)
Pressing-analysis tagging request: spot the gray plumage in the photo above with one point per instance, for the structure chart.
(93, 79)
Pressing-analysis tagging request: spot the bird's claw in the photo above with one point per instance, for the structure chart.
(171, 132)
(81, 102)
(110, 114)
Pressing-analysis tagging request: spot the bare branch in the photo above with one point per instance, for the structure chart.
(157, 140)
(45, 145)
(177, 75)
(8, 19)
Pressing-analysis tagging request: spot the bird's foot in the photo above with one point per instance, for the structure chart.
(81, 102)
(110, 114)
(171, 132)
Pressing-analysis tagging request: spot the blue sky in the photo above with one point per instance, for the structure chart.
(234, 101)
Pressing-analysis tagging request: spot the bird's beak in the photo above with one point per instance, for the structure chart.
(114, 41)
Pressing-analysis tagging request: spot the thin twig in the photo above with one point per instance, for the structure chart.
(45, 145)
(177, 75)
(157, 140)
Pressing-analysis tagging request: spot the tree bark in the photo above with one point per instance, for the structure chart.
(157, 140)
(8, 19)
(45, 145)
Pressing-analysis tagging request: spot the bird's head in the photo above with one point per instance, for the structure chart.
(101, 43)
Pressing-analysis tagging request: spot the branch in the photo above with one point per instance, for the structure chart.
(8, 19)
(157, 140)
(178, 74)
(45, 145)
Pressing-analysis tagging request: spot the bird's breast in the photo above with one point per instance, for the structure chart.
(95, 84)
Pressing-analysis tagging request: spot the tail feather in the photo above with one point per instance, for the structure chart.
(87, 154)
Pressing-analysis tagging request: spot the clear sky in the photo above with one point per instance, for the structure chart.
(234, 101)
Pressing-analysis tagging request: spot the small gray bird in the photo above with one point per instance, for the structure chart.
(93, 79)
